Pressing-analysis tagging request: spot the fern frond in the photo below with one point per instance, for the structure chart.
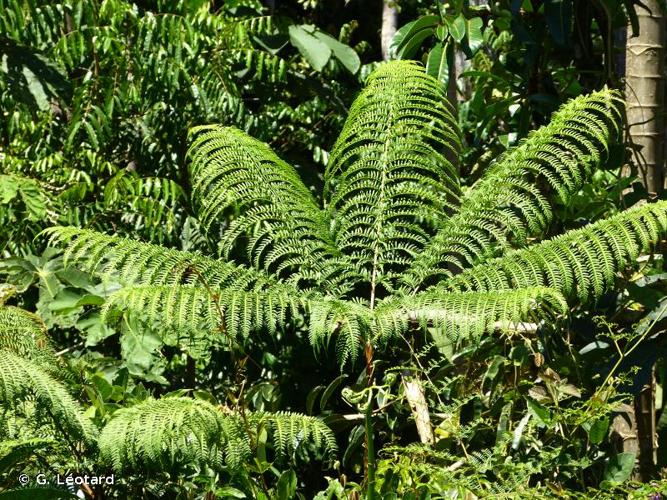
(146, 264)
(13, 451)
(193, 308)
(511, 202)
(21, 380)
(289, 431)
(389, 180)
(582, 262)
(162, 434)
(205, 312)
(172, 432)
(24, 334)
(282, 226)
(349, 321)
(463, 315)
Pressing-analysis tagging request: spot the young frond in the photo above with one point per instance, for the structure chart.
(512, 201)
(146, 264)
(24, 334)
(582, 262)
(277, 218)
(468, 314)
(390, 178)
(21, 380)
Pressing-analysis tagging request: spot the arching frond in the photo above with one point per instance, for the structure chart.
(348, 321)
(282, 226)
(198, 313)
(468, 314)
(162, 434)
(513, 200)
(22, 380)
(390, 178)
(142, 263)
(582, 262)
(198, 309)
(171, 432)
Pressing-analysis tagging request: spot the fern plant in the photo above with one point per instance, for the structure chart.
(169, 435)
(395, 242)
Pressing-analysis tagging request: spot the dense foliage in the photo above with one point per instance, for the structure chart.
(241, 257)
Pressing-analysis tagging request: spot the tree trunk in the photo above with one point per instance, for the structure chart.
(645, 99)
(645, 94)
(389, 25)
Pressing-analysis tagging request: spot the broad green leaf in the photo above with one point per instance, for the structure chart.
(65, 300)
(139, 347)
(345, 54)
(262, 438)
(312, 396)
(474, 32)
(287, 485)
(9, 188)
(33, 198)
(597, 430)
(230, 492)
(619, 468)
(314, 50)
(518, 431)
(36, 89)
(457, 27)
(409, 37)
(441, 32)
(492, 373)
(330, 390)
(541, 413)
(437, 65)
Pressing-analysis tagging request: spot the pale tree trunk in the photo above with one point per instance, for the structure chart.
(645, 100)
(389, 25)
(645, 94)
(414, 393)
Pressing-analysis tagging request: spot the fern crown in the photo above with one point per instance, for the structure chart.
(395, 240)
